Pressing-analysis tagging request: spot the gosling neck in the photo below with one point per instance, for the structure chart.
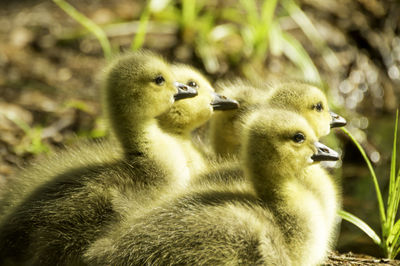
(135, 135)
(269, 179)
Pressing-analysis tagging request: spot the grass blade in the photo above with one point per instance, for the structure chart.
(311, 32)
(263, 28)
(392, 242)
(251, 12)
(89, 25)
(360, 224)
(188, 12)
(34, 134)
(268, 10)
(138, 41)
(395, 253)
(374, 178)
(394, 184)
(293, 49)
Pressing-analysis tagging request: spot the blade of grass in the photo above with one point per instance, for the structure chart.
(360, 224)
(396, 253)
(251, 12)
(394, 185)
(89, 25)
(374, 179)
(395, 234)
(311, 32)
(392, 242)
(262, 39)
(19, 122)
(151, 7)
(268, 10)
(188, 12)
(138, 40)
(33, 133)
(293, 49)
(274, 39)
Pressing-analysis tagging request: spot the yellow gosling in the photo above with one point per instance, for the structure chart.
(57, 220)
(186, 116)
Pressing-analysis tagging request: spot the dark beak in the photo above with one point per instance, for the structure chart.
(221, 102)
(324, 153)
(184, 91)
(337, 120)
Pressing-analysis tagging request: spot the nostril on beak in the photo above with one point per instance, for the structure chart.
(324, 150)
(184, 88)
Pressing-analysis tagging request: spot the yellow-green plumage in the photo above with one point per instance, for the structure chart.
(275, 216)
(225, 127)
(60, 217)
(301, 97)
(185, 116)
(43, 169)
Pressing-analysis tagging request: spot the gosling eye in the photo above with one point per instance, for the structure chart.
(318, 107)
(192, 84)
(299, 137)
(159, 80)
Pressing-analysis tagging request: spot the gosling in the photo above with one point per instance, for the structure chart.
(57, 221)
(185, 116)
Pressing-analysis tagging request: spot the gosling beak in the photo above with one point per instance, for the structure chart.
(324, 153)
(184, 91)
(337, 120)
(221, 102)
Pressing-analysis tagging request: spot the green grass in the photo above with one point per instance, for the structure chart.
(253, 25)
(256, 25)
(138, 41)
(89, 25)
(389, 239)
(32, 142)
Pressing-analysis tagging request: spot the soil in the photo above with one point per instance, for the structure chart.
(351, 259)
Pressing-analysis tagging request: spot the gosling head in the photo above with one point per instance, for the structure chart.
(310, 102)
(185, 116)
(225, 127)
(280, 143)
(141, 85)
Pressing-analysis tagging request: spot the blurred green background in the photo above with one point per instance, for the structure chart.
(50, 69)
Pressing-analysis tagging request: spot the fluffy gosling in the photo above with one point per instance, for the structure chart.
(57, 221)
(186, 116)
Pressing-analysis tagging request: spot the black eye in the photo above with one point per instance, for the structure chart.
(318, 107)
(192, 84)
(159, 80)
(299, 138)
